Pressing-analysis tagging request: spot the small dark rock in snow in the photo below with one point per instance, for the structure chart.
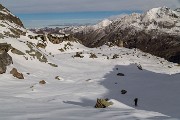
(123, 91)
(120, 74)
(139, 67)
(42, 82)
(57, 78)
(78, 54)
(115, 56)
(92, 55)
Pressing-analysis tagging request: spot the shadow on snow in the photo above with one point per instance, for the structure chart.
(156, 92)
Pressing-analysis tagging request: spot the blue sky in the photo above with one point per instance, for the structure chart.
(36, 13)
(51, 19)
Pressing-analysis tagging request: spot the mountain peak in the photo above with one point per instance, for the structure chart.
(161, 13)
(104, 23)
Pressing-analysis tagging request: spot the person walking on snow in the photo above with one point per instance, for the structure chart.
(135, 101)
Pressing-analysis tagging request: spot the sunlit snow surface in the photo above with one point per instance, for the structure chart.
(83, 80)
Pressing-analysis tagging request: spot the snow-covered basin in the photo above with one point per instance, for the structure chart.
(83, 80)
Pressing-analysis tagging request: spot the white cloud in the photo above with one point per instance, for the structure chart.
(42, 6)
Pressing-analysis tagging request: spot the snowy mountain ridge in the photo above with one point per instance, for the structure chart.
(156, 31)
(152, 19)
(162, 12)
(162, 19)
(101, 25)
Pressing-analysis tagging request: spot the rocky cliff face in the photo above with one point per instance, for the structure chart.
(5, 58)
(157, 32)
(11, 26)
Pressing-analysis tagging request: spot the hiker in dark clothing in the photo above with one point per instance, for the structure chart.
(135, 101)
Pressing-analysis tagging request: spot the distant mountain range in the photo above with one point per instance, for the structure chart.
(157, 32)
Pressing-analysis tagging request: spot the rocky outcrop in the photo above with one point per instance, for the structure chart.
(5, 58)
(157, 32)
(2, 68)
(103, 103)
(16, 51)
(59, 38)
(54, 39)
(4, 47)
(6, 15)
(35, 53)
(41, 45)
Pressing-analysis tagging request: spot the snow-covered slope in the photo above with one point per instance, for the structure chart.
(82, 80)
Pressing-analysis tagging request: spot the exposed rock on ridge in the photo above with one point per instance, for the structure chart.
(5, 14)
(5, 58)
(10, 24)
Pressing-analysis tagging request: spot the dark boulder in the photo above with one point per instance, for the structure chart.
(103, 103)
(123, 91)
(42, 82)
(16, 74)
(120, 74)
